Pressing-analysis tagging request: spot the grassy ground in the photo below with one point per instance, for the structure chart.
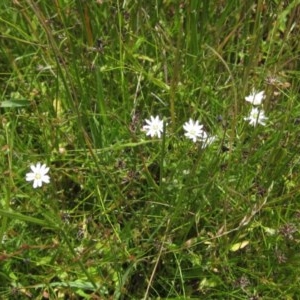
(127, 216)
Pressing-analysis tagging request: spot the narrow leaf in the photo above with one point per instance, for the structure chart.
(14, 103)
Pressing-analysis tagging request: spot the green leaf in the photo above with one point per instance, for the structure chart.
(79, 284)
(21, 217)
(14, 103)
(238, 246)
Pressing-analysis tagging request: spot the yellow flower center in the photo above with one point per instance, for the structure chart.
(37, 176)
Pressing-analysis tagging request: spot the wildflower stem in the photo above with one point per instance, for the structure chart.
(162, 156)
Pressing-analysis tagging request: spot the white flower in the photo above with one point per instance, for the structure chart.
(193, 130)
(154, 126)
(38, 175)
(256, 98)
(256, 117)
(209, 140)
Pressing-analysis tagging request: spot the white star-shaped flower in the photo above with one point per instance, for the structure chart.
(154, 126)
(193, 130)
(38, 175)
(256, 98)
(256, 117)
